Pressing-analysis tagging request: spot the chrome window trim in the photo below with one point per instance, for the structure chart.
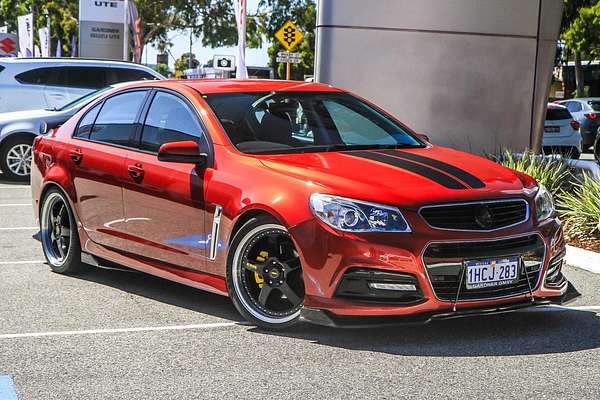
(527, 214)
(541, 274)
(214, 235)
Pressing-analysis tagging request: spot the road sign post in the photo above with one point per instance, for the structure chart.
(289, 36)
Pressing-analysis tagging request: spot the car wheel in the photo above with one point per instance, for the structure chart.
(15, 157)
(264, 275)
(58, 233)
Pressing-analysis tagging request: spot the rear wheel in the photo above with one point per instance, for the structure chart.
(264, 274)
(58, 232)
(15, 157)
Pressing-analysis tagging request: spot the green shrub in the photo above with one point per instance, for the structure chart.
(552, 172)
(580, 208)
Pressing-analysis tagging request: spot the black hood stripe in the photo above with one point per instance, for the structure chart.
(461, 174)
(429, 173)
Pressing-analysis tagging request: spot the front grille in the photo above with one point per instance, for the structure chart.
(478, 216)
(444, 263)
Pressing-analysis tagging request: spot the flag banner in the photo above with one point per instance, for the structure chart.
(73, 46)
(44, 36)
(134, 21)
(240, 19)
(37, 53)
(25, 25)
(58, 48)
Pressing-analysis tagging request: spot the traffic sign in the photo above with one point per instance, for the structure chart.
(289, 35)
(287, 57)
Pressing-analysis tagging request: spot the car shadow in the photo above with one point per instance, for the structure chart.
(5, 181)
(530, 332)
(163, 291)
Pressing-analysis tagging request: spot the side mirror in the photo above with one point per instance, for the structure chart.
(43, 128)
(186, 152)
(424, 137)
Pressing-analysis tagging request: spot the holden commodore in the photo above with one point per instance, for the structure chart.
(299, 201)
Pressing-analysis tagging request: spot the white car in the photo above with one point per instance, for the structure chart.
(561, 132)
(34, 83)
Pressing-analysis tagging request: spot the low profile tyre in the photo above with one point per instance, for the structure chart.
(58, 233)
(15, 158)
(264, 275)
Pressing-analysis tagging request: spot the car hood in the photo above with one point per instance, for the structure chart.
(25, 115)
(407, 178)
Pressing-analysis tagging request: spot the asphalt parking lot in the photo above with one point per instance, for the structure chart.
(113, 334)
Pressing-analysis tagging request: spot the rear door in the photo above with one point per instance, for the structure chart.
(68, 83)
(98, 163)
(164, 201)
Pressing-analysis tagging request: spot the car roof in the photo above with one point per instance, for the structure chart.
(68, 60)
(213, 86)
(583, 99)
(556, 106)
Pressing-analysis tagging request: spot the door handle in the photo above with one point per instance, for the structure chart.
(136, 171)
(76, 156)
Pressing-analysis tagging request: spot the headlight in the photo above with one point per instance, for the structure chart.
(350, 215)
(544, 205)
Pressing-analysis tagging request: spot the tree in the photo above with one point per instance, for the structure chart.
(303, 13)
(63, 18)
(184, 62)
(573, 25)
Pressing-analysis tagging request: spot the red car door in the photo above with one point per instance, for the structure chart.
(97, 157)
(164, 201)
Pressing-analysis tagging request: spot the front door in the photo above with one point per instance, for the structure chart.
(98, 166)
(164, 201)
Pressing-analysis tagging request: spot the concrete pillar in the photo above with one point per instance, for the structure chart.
(472, 74)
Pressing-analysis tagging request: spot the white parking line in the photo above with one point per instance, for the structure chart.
(16, 205)
(15, 187)
(22, 262)
(120, 330)
(20, 228)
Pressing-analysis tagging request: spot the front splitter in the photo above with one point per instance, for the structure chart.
(326, 318)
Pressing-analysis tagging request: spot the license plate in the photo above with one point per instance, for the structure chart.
(552, 129)
(489, 273)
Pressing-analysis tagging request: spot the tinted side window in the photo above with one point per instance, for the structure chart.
(128, 75)
(170, 120)
(80, 77)
(573, 106)
(86, 123)
(115, 122)
(38, 76)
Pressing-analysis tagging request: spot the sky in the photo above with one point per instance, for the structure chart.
(181, 44)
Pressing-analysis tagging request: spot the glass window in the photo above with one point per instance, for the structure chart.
(573, 106)
(170, 120)
(128, 75)
(594, 104)
(115, 122)
(86, 123)
(38, 76)
(81, 77)
(305, 121)
(557, 114)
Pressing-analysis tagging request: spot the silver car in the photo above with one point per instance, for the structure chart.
(35, 83)
(19, 128)
(561, 132)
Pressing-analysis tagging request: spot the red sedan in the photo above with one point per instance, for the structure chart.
(296, 200)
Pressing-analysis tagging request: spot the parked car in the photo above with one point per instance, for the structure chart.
(295, 200)
(561, 132)
(597, 149)
(586, 111)
(19, 128)
(34, 83)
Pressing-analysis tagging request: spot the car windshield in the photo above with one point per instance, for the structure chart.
(291, 122)
(81, 100)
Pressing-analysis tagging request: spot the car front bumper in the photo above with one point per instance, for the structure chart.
(328, 256)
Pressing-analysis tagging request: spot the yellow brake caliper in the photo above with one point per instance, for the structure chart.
(262, 257)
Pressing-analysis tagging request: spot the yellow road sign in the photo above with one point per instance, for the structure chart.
(289, 35)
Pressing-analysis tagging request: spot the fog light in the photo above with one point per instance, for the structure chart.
(393, 286)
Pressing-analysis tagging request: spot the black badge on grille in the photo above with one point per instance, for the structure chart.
(483, 216)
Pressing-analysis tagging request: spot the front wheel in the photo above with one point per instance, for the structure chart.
(15, 157)
(264, 275)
